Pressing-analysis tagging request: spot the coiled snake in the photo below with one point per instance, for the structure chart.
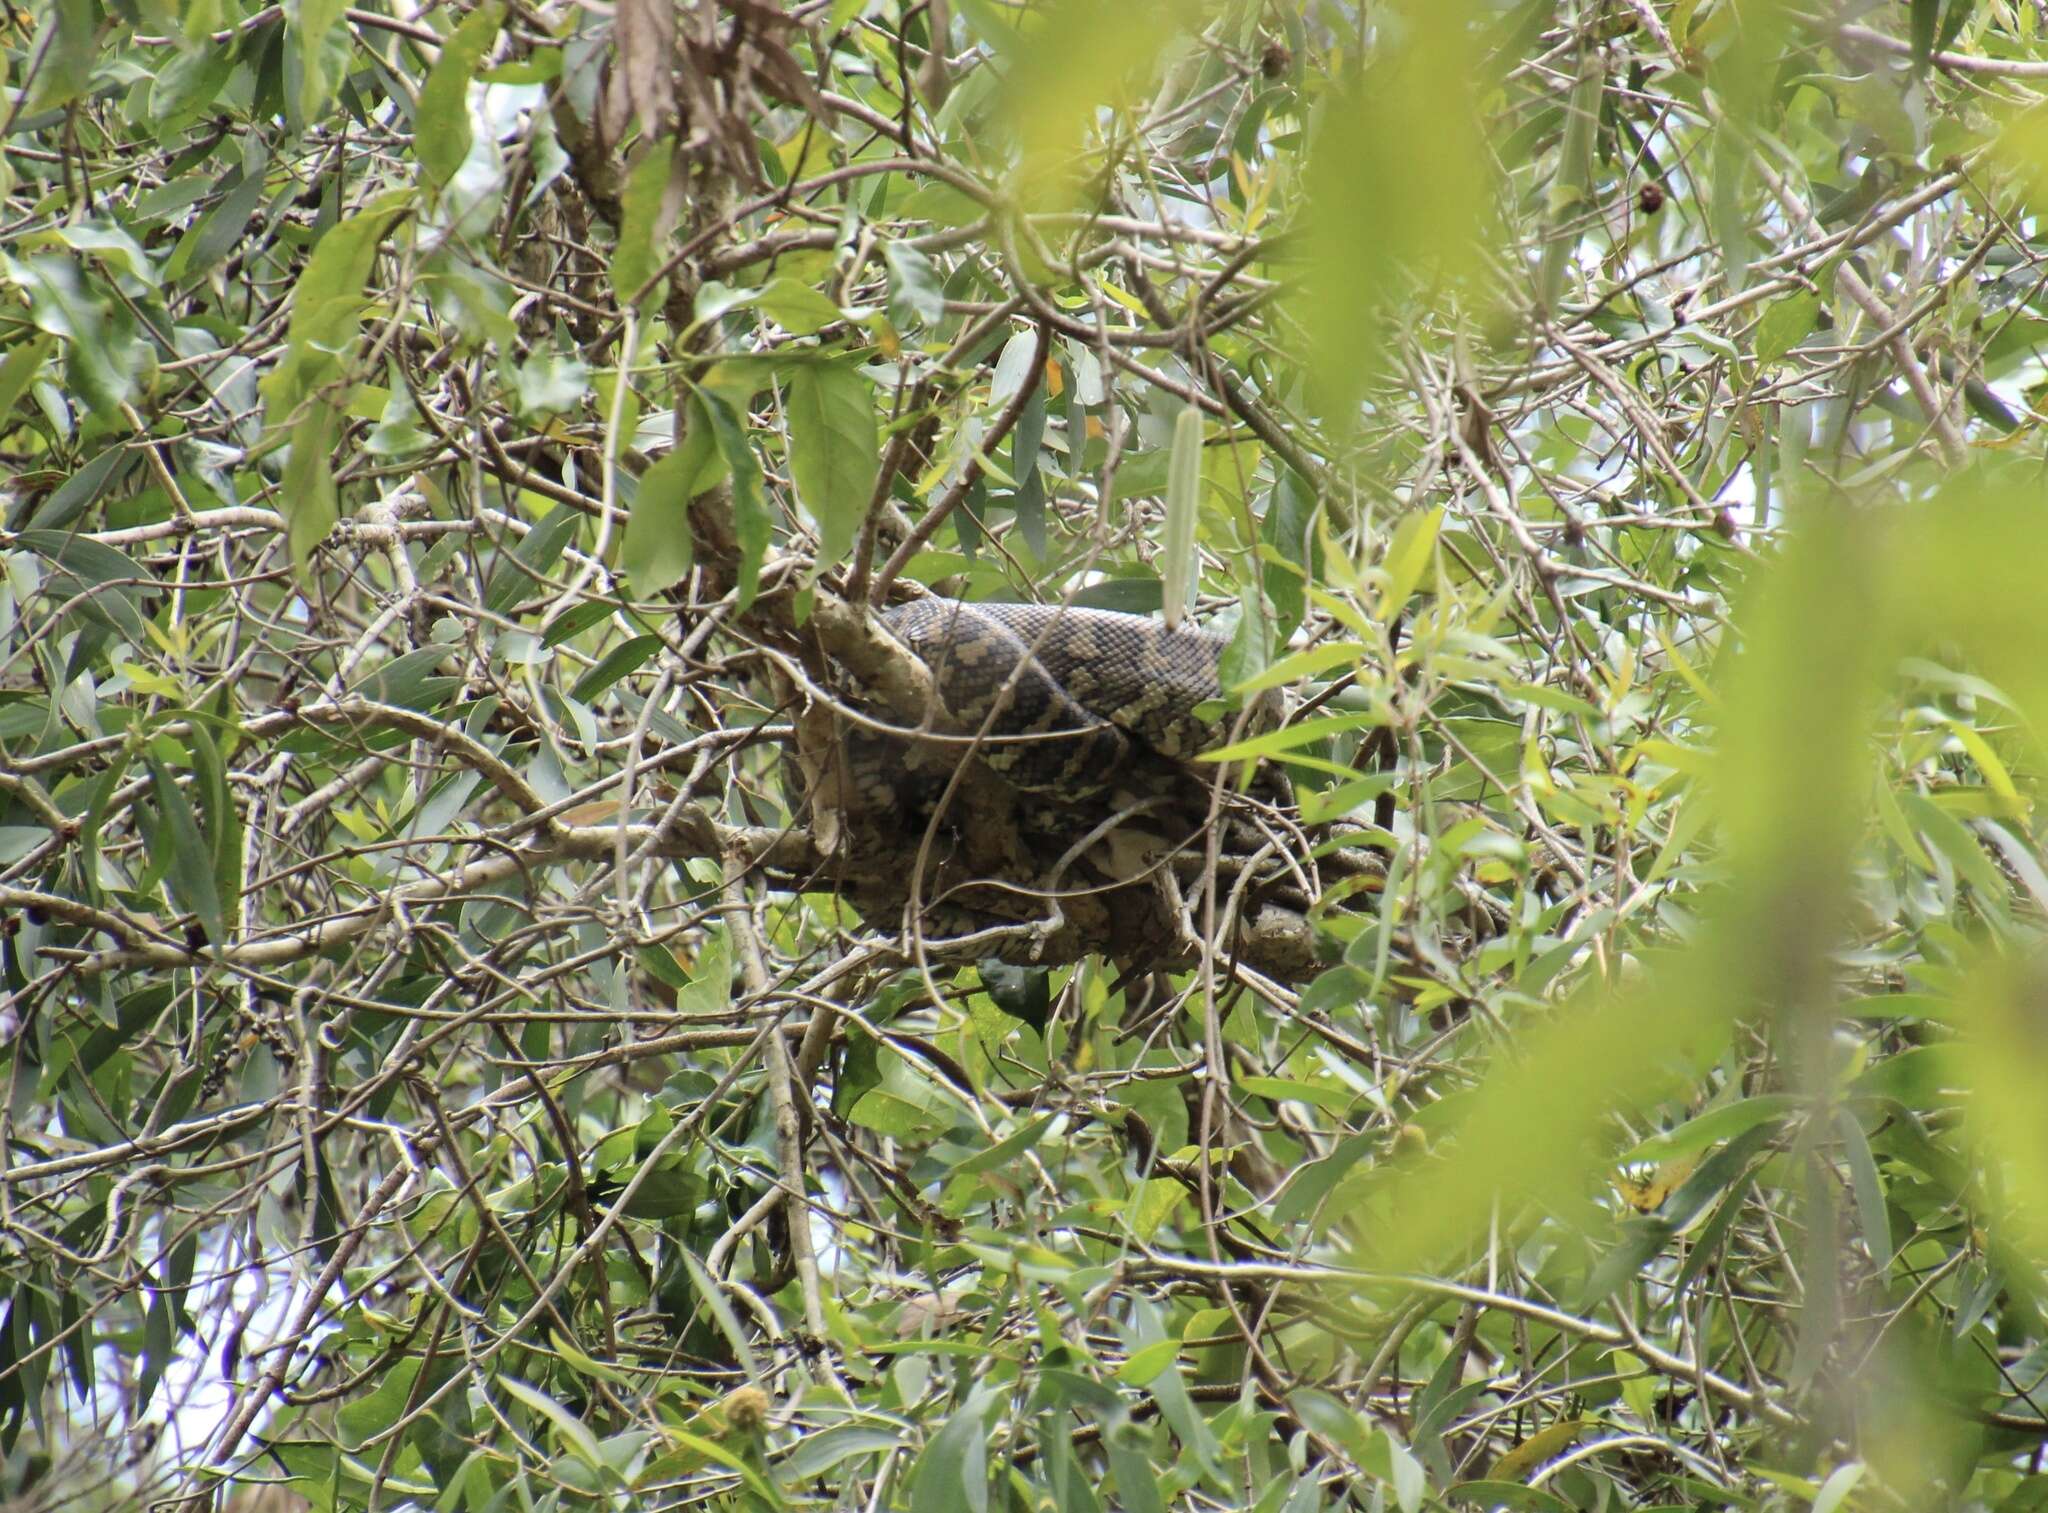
(1075, 690)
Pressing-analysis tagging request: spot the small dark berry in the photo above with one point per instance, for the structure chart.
(1275, 61)
(1650, 198)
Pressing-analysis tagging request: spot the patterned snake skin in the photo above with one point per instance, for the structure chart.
(1093, 684)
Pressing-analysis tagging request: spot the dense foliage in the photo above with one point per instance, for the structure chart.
(462, 1051)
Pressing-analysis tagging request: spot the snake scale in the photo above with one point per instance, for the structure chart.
(1086, 688)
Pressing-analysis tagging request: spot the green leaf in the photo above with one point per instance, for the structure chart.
(621, 661)
(328, 300)
(223, 821)
(211, 238)
(97, 571)
(20, 368)
(1868, 1188)
(525, 575)
(1410, 1481)
(797, 307)
(1509, 1494)
(548, 383)
(573, 1434)
(1834, 1492)
(112, 246)
(915, 291)
(186, 85)
(1714, 1126)
(643, 236)
(308, 497)
(1926, 18)
(1574, 173)
(749, 506)
(1330, 1098)
(1178, 565)
(1384, 193)
(819, 1452)
(441, 130)
(576, 620)
(1786, 323)
(833, 453)
(1013, 368)
(64, 52)
(712, 1296)
(1307, 733)
(407, 681)
(658, 551)
(1310, 1184)
(101, 355)
(1006, 1149)
(1408, 557)
(952, 1473)
(1920, 1077)
(314, 21)
(191, 872)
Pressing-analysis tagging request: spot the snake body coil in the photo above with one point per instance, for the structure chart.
(1073, 689)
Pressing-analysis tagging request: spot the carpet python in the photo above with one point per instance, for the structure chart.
(1089, 687)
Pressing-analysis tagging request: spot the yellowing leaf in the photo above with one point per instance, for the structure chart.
(1536, 1449)
(1408, 558)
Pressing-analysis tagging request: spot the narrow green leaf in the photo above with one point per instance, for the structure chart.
(1492, 1494)
(81, 490)
(1712, 1127)
(308, 497)
(1408, 557)
(712, 1296)
(186, 85)
(1177, 562)
(1013, 367)
(575, 621)
(208, 242)
(621, 661)
(191, 871)
(222, 821)
(1925, 20)
(751, 524)
(1834, 1492)
(1574, 173)
(523, 576)
(821, 1450)
(571, 1429)
(1294, 736)
(1952, 21)
(407, 681)
(1867, 1187)
(1005, 1150)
